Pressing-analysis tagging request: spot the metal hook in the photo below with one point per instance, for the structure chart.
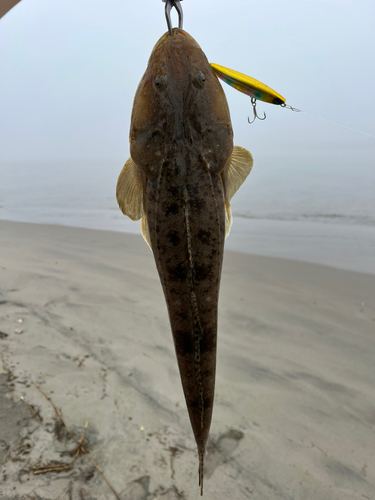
(254, 104)
(168, 6)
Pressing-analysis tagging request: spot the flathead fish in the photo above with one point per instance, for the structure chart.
(179, 180)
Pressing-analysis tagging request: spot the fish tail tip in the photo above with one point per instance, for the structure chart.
(201, 471)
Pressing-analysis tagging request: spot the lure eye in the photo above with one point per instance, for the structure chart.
(160, 82)
(199, 80)
(277, 101)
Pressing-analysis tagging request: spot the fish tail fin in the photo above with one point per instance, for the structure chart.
(201, 470)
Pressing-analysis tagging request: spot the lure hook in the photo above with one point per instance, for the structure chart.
(168, 6)
(254, 104)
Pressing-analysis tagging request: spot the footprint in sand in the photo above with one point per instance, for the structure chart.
(136, 490)
(139, 490)
(220, 451)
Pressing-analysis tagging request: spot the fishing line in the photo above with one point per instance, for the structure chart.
(335, 123)
(284, 105)
(287, 106)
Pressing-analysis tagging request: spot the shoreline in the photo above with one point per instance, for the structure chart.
(344, 246)
(84, 317)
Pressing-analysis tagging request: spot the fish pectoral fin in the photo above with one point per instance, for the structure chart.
(228, 218)
(129, 190)
(145, 231)
(236, 170)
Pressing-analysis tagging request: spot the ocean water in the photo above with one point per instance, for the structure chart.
(315, 209)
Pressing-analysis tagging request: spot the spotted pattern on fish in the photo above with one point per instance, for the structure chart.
(180, 140)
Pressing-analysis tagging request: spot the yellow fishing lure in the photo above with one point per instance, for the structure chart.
(248, 85)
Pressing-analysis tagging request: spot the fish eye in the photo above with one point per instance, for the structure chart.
(160, 82)
(199, 80)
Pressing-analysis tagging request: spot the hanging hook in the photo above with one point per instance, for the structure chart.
(168, 6)
(254, 104)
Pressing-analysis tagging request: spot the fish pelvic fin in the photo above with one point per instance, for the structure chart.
(129, 191)
(236, 170)
(145, 231)
(228, 218)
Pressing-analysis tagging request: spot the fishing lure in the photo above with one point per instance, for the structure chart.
(248, 85)
(251, 87)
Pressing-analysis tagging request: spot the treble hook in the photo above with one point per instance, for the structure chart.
(254, 104)
(168, 6)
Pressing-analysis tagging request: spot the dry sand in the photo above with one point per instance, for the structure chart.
(82, 314)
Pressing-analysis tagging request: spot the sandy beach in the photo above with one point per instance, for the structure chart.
(82, 316)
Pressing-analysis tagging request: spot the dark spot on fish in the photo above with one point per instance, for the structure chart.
(175, 192)
(201, 273)
(208, 343)
(162, 249)
(182, 315)
(173, 237)
(180, 138)
(195, 403)
(199, 203)
(208, 403)
(204, 236)
(193, 189)
(171, 210)
(184, 342)
(178, 273)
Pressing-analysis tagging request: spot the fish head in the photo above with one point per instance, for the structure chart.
(179, 100)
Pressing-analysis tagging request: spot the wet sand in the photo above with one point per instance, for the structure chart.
(82, 315)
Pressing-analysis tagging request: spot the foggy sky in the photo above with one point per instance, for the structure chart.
(69, 70)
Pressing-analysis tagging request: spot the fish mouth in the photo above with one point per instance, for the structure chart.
(178, 33)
